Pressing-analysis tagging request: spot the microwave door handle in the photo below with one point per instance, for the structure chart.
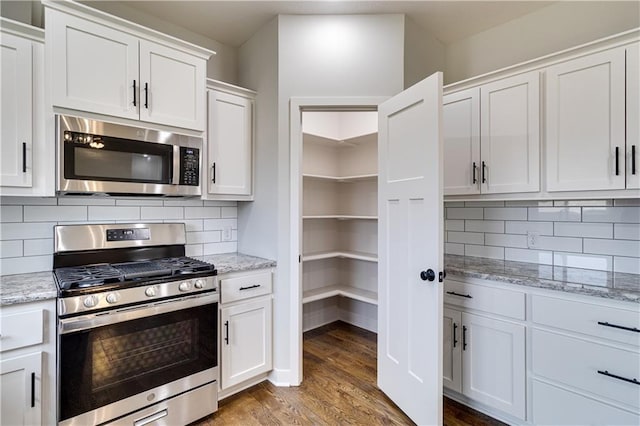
(175, 178)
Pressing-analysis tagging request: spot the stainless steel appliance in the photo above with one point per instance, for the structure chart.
(137, 326)
(100, 157)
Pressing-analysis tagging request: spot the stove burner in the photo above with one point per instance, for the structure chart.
(88, 276)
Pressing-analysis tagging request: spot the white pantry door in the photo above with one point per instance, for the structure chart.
(410, 250)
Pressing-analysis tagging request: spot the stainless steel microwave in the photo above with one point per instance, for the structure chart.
(101, 157)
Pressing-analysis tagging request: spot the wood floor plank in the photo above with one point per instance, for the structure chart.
(339, 388)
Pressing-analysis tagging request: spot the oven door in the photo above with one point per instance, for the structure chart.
(115, 363)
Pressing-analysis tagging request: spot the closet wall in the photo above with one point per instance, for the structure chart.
(339, 216)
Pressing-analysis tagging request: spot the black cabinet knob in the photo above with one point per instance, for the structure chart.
(428, 275)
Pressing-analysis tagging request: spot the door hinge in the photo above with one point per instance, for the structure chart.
(299, 258)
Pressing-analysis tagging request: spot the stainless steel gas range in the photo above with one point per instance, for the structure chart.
(137, 326)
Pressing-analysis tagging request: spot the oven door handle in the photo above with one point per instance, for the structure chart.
(85, 322)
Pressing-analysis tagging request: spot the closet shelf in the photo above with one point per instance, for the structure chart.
(351, 292)
(340, 217)
(358, 255)
(354, 178)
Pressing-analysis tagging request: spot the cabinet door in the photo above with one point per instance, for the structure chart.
(230, 140)
(510, 138)
(585, 123)
(93, 67)
(452, 348)
(16, 112)
(172, 87)
(633, 114)
(246, 341)
(493, 363)
(20, 382)
(461, 134)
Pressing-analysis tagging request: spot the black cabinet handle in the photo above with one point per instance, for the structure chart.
(213, 173)
(453, 293)
(474, 172)
(33, 390)
(615, 376)
(24, 157)
(250, 287)
(146, 95)
(226, 332)
(621, 327)
(484, 166)
(134, 93)
(633, 159)
(464, 337)
(617, 160)
(455, 340)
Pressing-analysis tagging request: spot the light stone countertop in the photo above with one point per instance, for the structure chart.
(31, 287)
(610, 285)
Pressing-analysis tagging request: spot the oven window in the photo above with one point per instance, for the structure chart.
(106, 364)
(120, 160)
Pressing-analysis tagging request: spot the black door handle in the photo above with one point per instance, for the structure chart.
(633, 159)
(615, 376)
(226, 332)
(455, 340)
(24, 157)
(213, 172)
(33, 390)
(484, 166)
(464, 337)
(474, 172)
(134, 93)
(146, 95)
(428, 275)
(617, 160)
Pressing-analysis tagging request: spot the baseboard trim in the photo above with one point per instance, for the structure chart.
(491, 412)
(280, 377)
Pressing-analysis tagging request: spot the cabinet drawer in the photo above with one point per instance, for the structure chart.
(493, 300)
(21, 329)
(595, 320)
(244, 287)
(576, 362)
(555, 406)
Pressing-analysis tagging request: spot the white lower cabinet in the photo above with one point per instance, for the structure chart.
(452, 359)
(20, 379)
(246, 334)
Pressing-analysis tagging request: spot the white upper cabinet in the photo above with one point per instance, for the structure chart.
(94, 67)
(105, 65)
(16, 113)
(510, 139)
(633, 116)
(229, 167)
(461, 133)
(172, 87)
(585, 122)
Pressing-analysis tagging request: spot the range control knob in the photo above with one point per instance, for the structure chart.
(90, 301)
(200, 283)
(184, 286)
(150, 292)
(112, 298)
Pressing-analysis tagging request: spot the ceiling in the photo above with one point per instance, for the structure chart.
(234, 22)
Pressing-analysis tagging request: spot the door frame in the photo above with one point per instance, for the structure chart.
(298, 105)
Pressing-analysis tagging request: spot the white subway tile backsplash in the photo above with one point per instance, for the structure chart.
(24, 231)
(162, 213)
(147, 202)
(23, 201)
(571, 203)
(219, 224)
(629, 265)
(453, 248)
(10, 214)
(484, 251)
(627, 202)
(495, 226)
(86, 201)
(38, 247)
(454, 225)
(582, 229)
(484, 203)
(465, 237)
(626, 248)
(191, 225)
(454, 204)
(204, 237)
(529, 256)
(505, 213)
(228, 212)
(193, 250)
(506, 240)
(218, 248)
(11, 248)
(521, 227)
(528, 203)
(54, 213)
(611, 214)
(114, 213)
(555, 214)
(559, 243)
(626, 231)
(24, 265)
(201, 212)
(187, 202)
(584, 261)
(464, 213)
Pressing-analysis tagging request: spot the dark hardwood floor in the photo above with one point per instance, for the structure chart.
(339, 387)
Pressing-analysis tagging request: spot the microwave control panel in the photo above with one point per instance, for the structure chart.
(189, 166)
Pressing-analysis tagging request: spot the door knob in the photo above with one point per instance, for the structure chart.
(428, 275)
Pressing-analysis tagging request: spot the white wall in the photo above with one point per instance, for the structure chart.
(559, 26)
(423, 53)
